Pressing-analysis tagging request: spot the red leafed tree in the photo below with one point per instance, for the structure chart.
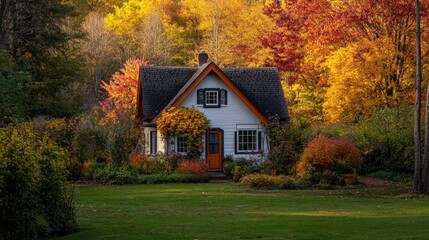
(285, 41)
(122, 91)
(309, 31)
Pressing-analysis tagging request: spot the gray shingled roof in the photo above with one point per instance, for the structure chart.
(160, 85)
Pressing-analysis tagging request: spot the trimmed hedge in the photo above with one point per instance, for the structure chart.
(269, 182)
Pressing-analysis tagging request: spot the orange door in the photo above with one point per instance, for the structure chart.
(214, 149)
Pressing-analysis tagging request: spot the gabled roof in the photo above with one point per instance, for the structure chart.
(163, 87)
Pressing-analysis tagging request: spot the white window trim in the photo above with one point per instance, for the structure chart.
(206, 98)
(177, 146)
(238, 143)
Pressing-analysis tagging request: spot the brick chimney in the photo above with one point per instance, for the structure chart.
(202, 58)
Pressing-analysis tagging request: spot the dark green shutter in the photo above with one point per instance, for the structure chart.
(223, 97)
(200, 96)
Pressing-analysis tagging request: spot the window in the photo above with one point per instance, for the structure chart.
(181, 144)
(213, 143)
(212, 97)
(247, 140)
(153, 146)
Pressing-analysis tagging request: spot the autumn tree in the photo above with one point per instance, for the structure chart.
(154, 43)
(355, 77)
(177, 31)
(311, 33)
(102, 57)
(122, 92)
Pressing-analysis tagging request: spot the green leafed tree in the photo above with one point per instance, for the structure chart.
(40, 36)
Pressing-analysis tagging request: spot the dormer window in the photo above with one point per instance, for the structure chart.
(212, 97)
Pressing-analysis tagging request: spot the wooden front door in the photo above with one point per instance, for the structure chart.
(214, 149)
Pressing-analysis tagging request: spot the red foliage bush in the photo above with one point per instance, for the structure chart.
(324, 153)
(196, 167)
(137, 159)
(152, 164)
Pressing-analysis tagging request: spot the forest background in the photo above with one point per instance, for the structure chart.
(347, 67)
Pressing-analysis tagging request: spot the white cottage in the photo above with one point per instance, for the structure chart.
(237, 101)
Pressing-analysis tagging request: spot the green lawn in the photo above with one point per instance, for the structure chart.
(231, 211)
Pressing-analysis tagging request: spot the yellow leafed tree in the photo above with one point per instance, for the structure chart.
(357, 79)
(173, 32)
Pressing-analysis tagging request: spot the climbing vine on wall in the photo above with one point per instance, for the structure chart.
(184, 122)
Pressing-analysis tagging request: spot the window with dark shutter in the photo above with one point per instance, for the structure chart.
(212, 97)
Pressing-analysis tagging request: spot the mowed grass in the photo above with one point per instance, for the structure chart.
(231, 211)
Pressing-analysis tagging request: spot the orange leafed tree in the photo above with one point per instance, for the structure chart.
(122, 91)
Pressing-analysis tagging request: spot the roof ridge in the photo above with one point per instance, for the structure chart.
(170, 67)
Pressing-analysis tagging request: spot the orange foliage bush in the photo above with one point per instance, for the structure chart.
(137, 158)
(196, 167)
(324, 153)
(86, 165)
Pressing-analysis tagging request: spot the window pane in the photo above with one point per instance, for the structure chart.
(212, 98)
(213, 143)
(247, 140)
(153, 142)
(182, 144)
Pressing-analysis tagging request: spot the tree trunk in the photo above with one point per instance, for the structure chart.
(417, 106)
(424, 169)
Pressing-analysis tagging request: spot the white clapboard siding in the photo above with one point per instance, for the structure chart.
(159, 141)
(226, 117)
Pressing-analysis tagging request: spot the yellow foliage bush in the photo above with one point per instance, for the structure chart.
(185, 122)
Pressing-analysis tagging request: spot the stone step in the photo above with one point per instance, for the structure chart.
(218, 177)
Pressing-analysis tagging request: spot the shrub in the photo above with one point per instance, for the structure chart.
(35, 200)
(109, 142)
(391, 176)
(265, 181)
(91, 141)
(111, 174)
(228, 167)
(196, 167)
(326, 177)
(240, 171)
(73, 170)
(172, 178)
(283, 157)
(386, 139)
(240, 167)
(153, 164)
(323, 154)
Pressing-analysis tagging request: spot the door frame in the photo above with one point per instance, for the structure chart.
(221, 144)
